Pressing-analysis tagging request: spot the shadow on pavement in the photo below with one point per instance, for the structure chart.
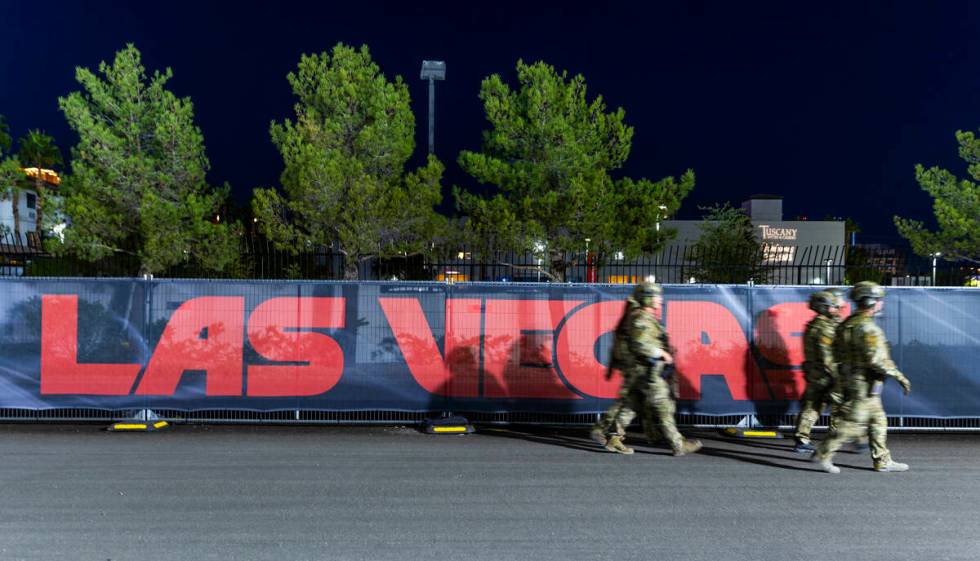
(747, 451)
(787, 446)
(542, 436)
(755, 458)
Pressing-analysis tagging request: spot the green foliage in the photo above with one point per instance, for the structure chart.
(344, 180)
(11, 182)
(11, 177)
(5, 139)
(727, 251)
(38, 150)
(956, 205)
(138, 181)
(550, 152)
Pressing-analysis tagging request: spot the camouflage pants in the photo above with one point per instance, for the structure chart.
(857, 416)
(816, 398)
(608, 423)
(648, 397)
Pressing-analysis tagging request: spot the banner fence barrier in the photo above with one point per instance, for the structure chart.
(327, 352)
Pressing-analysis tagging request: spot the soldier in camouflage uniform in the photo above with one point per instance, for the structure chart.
(641, 352)
(861, 350)
(621, 359)
(819, 368)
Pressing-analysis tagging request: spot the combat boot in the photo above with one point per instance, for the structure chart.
(891, 465)
(689, 446)
(616, 445)
(804, 447)
(599, 436)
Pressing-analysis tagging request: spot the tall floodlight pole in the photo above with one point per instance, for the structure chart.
(433, 70)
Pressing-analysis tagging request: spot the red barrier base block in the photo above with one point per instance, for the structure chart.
(453, 424)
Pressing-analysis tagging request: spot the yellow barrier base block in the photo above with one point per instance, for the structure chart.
(143, 420)
(138, 426)
(760, 432)
(750, 427)
(453, 424)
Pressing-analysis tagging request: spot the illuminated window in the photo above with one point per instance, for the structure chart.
(452, 276)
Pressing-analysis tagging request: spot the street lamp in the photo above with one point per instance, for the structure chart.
(433, 70)
(539, 248)
(935, 256)
(588, 262)
(656, 265)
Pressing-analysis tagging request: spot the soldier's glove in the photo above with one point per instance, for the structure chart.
(836, 398)
(906, 385)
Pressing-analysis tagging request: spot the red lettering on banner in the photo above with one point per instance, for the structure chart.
(61, 373)
(779, 339)
(182, 347)
(576, 348)
(708, 340)
(458, 373)
(779, 332)
(517, 363)
(267, 333)
(518, 340)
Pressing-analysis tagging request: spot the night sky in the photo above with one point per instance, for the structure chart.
(829, 104)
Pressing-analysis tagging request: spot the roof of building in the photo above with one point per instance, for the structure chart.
(46, 175)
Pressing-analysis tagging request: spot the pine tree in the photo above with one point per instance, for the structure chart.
(727, 252)
(137, 182)
(550, 153)
(344, 182)
(956, 204)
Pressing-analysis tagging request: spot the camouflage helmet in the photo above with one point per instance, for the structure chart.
(822, 301)
(646, 291)
(866, 293)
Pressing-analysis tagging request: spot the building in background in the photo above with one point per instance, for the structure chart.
(794, 251)
(28, 209)
(18, 247)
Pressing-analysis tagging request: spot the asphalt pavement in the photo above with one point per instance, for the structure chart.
(393, 493)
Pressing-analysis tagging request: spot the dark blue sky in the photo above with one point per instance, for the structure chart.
(828, 104)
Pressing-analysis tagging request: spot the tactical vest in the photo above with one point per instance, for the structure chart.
(817, 338)
(622, 358)
(850, 352)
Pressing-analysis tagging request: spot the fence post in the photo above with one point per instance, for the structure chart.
(145, 419)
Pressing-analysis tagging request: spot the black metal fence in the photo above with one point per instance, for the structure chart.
(785, 265)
